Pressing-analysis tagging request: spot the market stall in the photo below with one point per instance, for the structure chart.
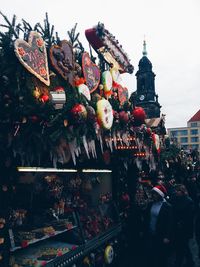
(69, 135)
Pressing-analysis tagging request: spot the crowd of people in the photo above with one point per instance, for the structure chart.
(166, 216)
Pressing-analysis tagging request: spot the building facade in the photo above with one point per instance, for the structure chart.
(188, 138)
(145, 95)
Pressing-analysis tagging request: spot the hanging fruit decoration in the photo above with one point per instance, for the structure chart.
(44, 98)
(123, 116)
(105, 113)
(139, 116)
(84, 90)
(107, 80)
(78, 113)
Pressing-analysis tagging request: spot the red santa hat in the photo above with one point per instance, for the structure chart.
(160, 189)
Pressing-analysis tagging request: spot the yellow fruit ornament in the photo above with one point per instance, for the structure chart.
(105, 113)
(109, 254)
(107, 80)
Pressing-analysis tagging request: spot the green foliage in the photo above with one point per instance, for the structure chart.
(171, 152)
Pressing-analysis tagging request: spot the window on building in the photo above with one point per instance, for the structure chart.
(194, 131)
(193, 124)
(195, 146)
(185, 147)
(183, 132)
(174, 133)
(195, 139)
(184, 139)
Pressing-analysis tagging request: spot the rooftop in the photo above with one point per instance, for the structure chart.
(196, 117)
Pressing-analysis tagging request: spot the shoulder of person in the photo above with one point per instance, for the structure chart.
(167, 204)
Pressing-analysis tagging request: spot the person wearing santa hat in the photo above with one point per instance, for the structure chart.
(158, 228)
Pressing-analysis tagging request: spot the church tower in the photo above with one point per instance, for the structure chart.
(146, 96)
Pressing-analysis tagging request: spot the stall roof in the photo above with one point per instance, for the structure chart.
(153, 122)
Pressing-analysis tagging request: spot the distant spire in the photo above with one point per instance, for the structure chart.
(144, 52)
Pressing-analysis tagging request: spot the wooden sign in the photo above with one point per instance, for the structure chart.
(62, 59)
(33, 56)
(91, 72)
(105, 44)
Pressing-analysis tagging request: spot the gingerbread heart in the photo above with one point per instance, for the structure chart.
(91, 72)
(62, 59)
(122, 95)
(33, 56)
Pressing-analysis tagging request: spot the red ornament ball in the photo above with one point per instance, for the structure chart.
(44, 98)
(149, 131)
(139, 115)
(123, 116)
(59, 89)
(78, 113)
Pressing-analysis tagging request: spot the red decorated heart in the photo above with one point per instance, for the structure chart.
(33, 56)
(91, 72)
(122, 94)
(62, 59)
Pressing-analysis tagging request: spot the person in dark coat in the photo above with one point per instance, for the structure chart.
(197, 230)
(158, 229)
(183, 209)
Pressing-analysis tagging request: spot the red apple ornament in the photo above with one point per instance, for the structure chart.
(139, 116)
(78, 113)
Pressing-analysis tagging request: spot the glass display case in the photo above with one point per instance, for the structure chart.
(57, 213)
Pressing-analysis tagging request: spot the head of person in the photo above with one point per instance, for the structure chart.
(181, 190)
(159, 192)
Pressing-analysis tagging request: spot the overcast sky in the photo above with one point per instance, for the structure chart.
(172, 33)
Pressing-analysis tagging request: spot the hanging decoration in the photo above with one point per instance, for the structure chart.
(139, 116)
(80, 110)
(58, 97)
(107, 81)
(84, 90)
(62, 60)
(91, 72)
(78, 113)
(33, 56)
(116, 75)
(105, 113)
(107, 46)
(122, 95)
(156, 141)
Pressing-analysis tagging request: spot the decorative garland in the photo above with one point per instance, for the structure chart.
(59, 101)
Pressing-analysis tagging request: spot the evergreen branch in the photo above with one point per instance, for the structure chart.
(27, 26)
(13, 21)
(10, 25)
(52, 30)
(5, 26)
(39, 28)
(57, 38)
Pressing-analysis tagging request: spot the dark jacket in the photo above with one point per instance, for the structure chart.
(164, 224)
(183, 209)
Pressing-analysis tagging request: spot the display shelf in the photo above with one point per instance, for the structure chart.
(43, 254)
(28, 243)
